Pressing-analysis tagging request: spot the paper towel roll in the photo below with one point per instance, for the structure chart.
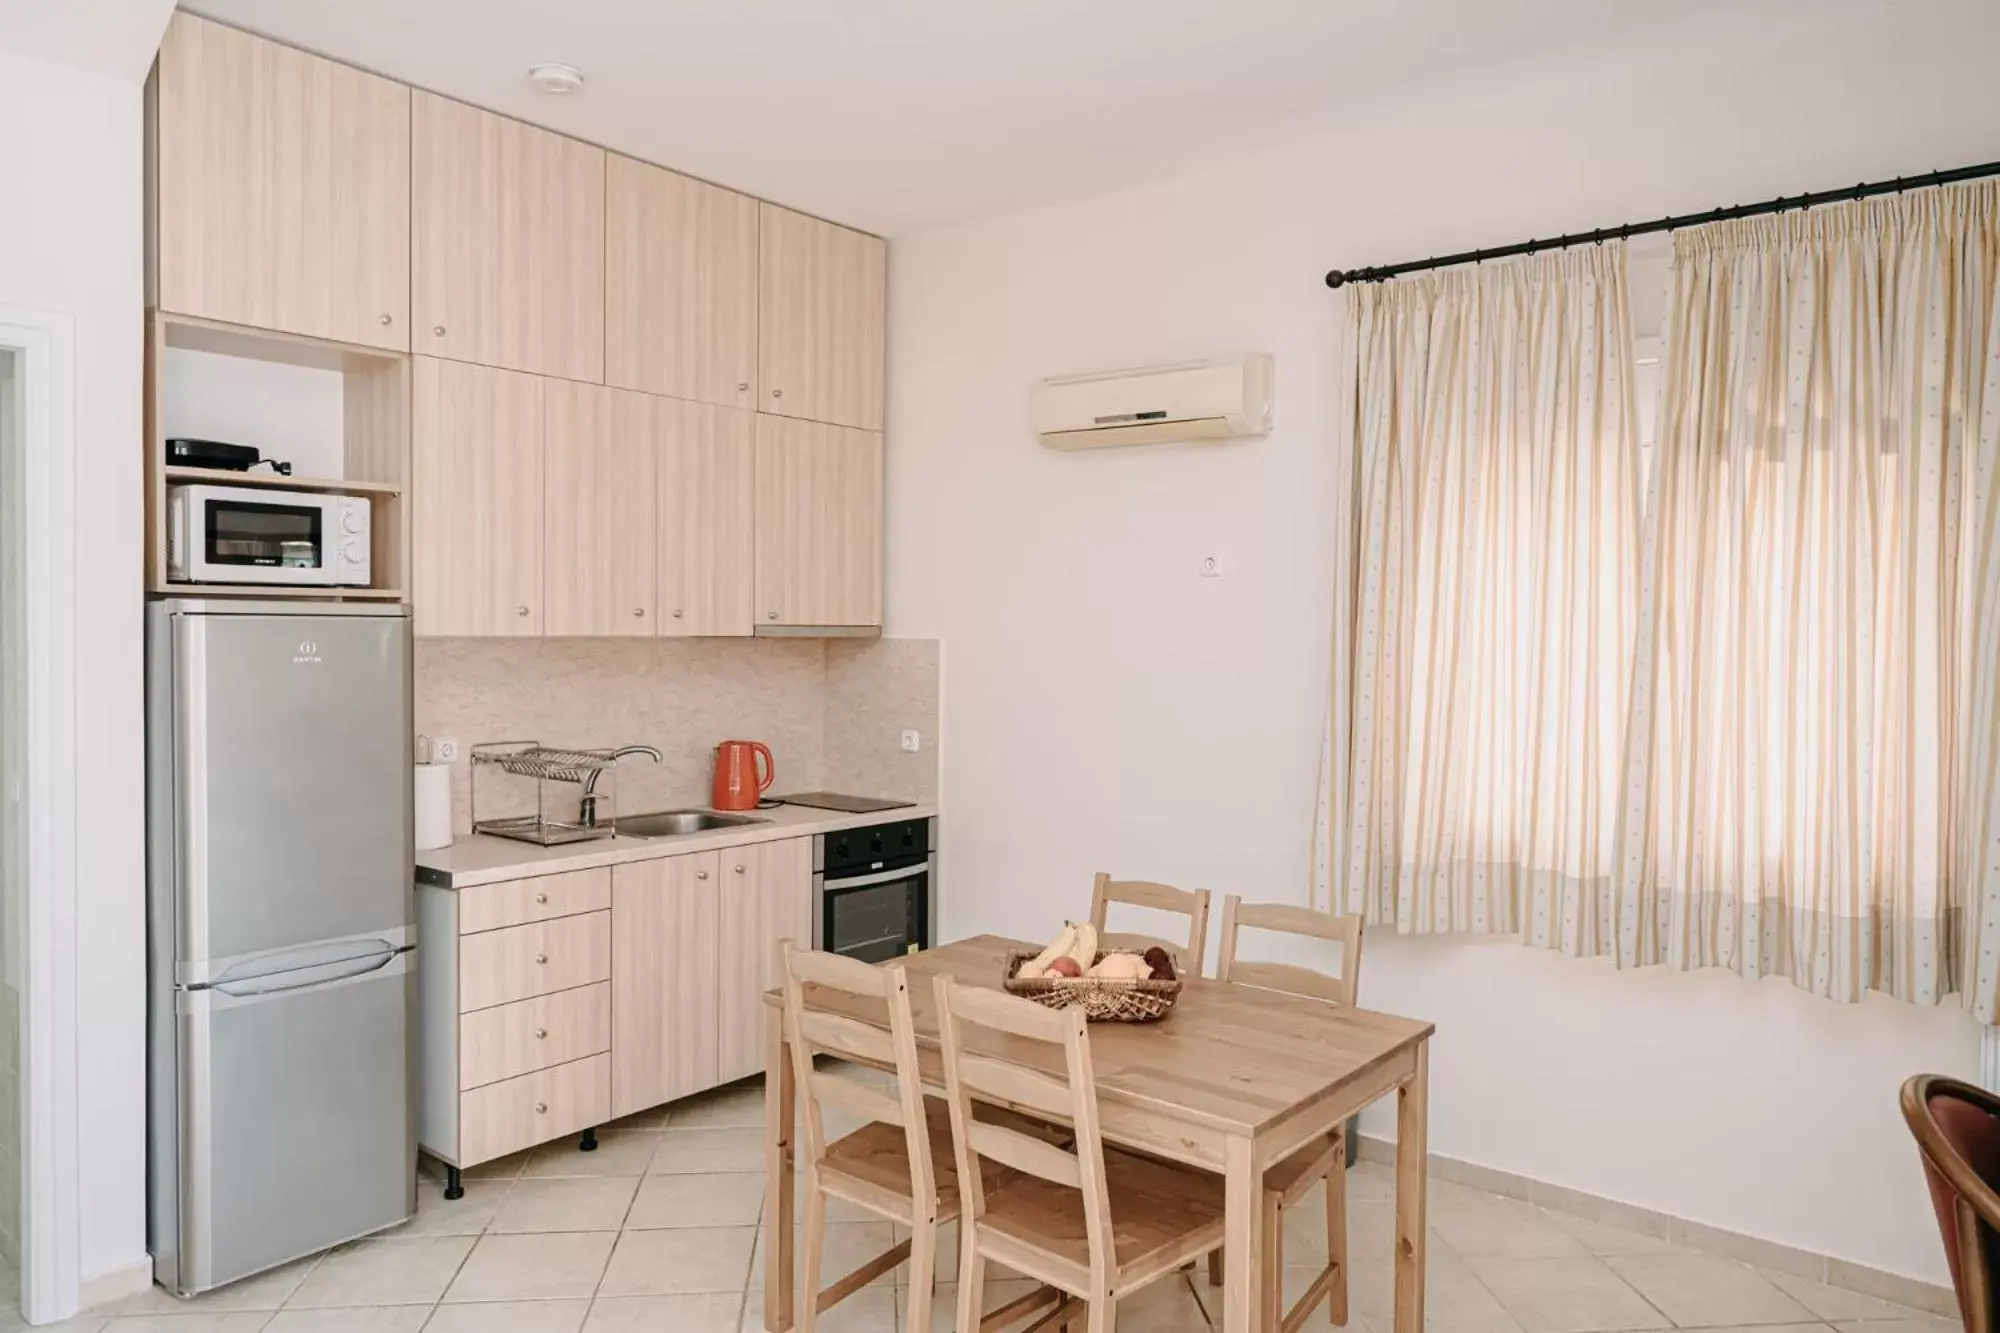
(433, 806)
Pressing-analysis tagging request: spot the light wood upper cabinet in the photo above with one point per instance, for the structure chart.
(821, 295)
(507, 263)
(819, 524)
(680, 294)
(766, 897)
(281, 190)
(476, 500)
(706, 556)
(663, 979)
(600, 450)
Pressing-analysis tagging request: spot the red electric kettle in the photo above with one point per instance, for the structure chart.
(737, 785)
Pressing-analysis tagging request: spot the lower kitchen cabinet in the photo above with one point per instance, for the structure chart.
(663, 979)
(766, 897)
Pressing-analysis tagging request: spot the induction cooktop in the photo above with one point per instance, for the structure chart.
(833, 800)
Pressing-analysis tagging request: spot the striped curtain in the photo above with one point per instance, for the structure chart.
(1472, 769)
(1812, 776)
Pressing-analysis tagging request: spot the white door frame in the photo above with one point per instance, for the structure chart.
(45, 343)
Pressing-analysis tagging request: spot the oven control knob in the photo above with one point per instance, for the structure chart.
(840, 847)
(875, 842)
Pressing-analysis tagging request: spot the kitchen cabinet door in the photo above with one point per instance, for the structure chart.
(821, 294)
(706, 556)
(600, 448)
(680, 297)
(475, 500)
(819, 524)
(507, 262)
(766, 897)
(282, 188)
(663, 979)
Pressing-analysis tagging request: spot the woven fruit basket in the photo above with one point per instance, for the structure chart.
(1102, 1001)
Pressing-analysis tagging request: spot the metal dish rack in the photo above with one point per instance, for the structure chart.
(536, 793)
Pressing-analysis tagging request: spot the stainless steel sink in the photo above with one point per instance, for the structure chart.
(674, 823)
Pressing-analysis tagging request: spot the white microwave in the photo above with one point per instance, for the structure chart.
(245, 534)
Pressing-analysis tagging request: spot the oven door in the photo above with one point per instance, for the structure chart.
(875, 917)
(258, 538)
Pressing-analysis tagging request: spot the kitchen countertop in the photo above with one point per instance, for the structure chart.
(483, 859)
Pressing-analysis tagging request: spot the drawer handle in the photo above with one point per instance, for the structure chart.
(541, 899)
(520, 610)
(541, 958)
(541, 1108)
(677, 613)
(437, 330)
(541, 1034)
(739, 870)
(701, 874)
(388, 319)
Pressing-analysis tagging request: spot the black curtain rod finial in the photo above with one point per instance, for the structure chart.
(1335, 278)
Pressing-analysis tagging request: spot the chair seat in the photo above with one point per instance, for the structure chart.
(878, 1156)
(1307, 1165)
(1157, 1210)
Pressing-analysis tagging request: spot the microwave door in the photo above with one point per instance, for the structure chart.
(263, 541)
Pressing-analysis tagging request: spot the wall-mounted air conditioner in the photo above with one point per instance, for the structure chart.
(1190, 400)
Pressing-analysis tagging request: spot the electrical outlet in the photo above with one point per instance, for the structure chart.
(1211, 566)
(444, 750)
(912, 742)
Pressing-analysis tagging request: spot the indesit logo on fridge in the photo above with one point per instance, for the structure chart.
(308, 652)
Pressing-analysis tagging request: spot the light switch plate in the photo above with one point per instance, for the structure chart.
(912, 741)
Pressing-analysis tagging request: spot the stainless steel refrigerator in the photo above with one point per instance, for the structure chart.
(281, 932)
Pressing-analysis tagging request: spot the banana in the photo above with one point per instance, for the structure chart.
(1039, 964)
(1084, 948)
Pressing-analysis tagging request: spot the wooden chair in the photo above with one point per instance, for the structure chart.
(1323, 1159)
(1957, 1128)
(1052, 1216)
(1190, 903)
(899, 1165)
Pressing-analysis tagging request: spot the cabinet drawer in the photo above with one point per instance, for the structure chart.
(520, 1112)
(500, 966)
(512, 1039)
(519, 901)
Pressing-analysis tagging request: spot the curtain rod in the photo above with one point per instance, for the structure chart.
(1382, 273)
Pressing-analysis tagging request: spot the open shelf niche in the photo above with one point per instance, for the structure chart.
(339, 413)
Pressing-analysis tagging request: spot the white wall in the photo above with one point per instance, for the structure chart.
(70, 240)
(1105, 708)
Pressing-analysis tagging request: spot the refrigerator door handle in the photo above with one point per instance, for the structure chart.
(304, 978)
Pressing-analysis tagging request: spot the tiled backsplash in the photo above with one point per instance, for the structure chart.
(831, 710)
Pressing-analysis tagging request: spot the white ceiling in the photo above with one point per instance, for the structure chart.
(114, 37)
(894, 115)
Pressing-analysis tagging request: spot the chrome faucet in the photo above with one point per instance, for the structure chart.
(588, 812)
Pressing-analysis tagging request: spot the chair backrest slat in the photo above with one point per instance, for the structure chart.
(962, 1007)
(810, 1031)
(1285, 919)
(1190, 903)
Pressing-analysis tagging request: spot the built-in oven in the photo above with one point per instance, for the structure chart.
(875, 890)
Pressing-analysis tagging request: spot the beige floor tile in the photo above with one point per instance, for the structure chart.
(944, 1300)
(212, 1321)
(1490, 1227)
(358, 1319)
(1566, 1295)
(1700, 1290)
(1455, 1300)
(707, 1151)
(1601, 1238)
(1831, 1303)
(510, 1317)
(265, 1291)
(500, 1168)
(703, 1312)
(668, 1263)
(654, 1117)
(384, 1272)
(848, 1246)
(1922, 1323)
(732, 1200)
(620, 1153)
(552, 1266)
(439, 1216)
(870, 1310)
(1165, 1306)
(566, 1203)
(739, 1106)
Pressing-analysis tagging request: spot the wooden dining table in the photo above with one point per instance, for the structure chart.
(1232, 1081)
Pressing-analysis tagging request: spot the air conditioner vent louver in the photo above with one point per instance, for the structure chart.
(1188, 400)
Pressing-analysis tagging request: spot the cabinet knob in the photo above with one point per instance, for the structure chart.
(639, 611)
(677, 613)
(541, 1108)
(742, 386)
(739, 870)
(770, 615)
(701, 874)
(541, 1034)
(388, 319)
(777, 393)
(437, 330)
(541, 958)
(520, 610)
(541, 899)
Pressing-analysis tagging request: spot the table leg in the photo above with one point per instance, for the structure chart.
(1243, 1238)
(1412, 1158)
(780, 1196)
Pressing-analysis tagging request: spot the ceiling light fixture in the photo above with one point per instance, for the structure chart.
(556, 80)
